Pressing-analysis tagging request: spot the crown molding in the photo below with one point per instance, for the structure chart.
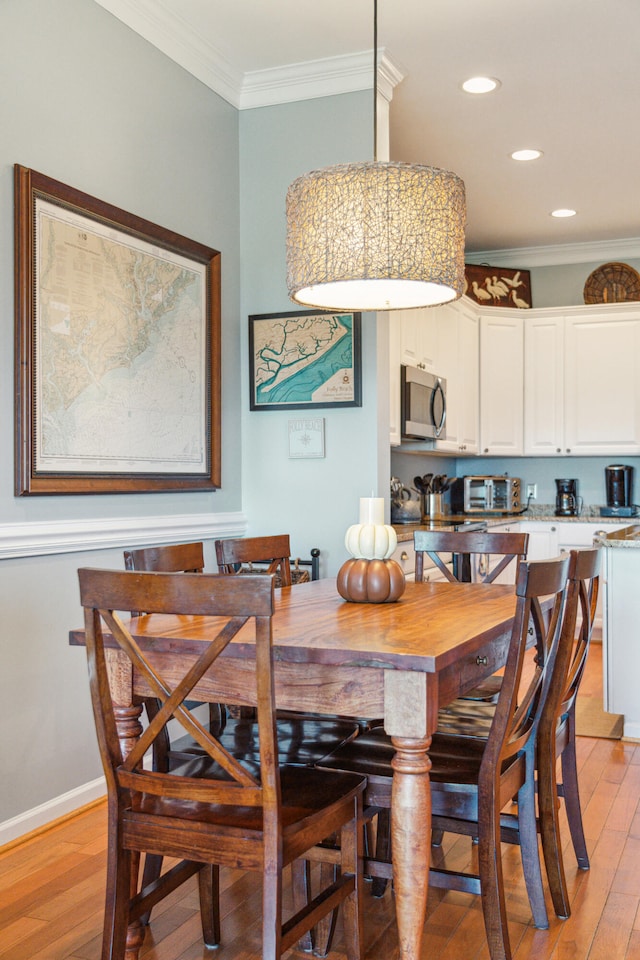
(558, 254)
(153, 21)
(161, 27)
(320, 78)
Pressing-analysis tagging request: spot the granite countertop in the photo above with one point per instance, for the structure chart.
(543, 513)
(627, 537)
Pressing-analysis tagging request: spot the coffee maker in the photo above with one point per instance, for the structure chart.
(567, 499)
(619, 489)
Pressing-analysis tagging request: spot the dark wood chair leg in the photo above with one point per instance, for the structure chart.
(209, 889)
(151, 872)
(301, 887)
(492, 887)
(548, 804)
(324, 930)
(571, 796)
(383, 850)
(529, 847)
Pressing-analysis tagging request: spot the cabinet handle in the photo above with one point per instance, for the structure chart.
(553, 529)
(486, 450)
(568, 449)
(558, 449)
(482, 661)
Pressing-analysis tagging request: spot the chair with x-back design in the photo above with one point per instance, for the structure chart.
(214, 810)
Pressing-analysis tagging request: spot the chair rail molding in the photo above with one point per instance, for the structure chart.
(42, 538)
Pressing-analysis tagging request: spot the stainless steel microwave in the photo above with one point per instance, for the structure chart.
(423, 404)
(498, 494)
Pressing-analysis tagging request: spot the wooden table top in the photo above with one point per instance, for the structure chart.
(424, 630)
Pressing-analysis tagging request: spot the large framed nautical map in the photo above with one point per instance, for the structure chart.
(304, 359)
(117, 348)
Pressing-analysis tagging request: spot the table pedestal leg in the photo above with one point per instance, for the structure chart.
(411, 839)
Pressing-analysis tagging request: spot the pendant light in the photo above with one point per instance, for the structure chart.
(374, 235)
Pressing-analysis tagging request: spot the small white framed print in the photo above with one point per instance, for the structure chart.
(306, 437)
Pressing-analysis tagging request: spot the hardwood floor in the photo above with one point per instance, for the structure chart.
(52, 887)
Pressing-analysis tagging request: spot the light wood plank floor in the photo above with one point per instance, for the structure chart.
(51, 888)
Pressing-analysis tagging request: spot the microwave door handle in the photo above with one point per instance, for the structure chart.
(438, 427)
(489, 489)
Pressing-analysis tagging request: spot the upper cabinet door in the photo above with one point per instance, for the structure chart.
(602, 384)
(544, 386)
(501, 384)
(458, 362)
(418, 338)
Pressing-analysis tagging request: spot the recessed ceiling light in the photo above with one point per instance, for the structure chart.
(480, 85)
(563, 212)
(526, 154)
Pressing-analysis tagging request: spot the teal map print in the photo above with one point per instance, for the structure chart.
(303, 359)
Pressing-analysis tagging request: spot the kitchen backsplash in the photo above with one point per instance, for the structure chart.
(543, 471)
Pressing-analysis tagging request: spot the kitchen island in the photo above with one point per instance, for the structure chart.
(621, 624)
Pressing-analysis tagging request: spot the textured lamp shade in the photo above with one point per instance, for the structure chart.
(375, 236)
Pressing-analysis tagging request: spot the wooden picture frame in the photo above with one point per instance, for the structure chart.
(305, 359)
(498, 286)
(117, 356)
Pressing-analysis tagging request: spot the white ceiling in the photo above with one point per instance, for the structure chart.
(570, 85)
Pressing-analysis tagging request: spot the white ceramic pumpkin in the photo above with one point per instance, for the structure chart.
(371, 541)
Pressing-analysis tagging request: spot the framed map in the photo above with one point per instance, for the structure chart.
(304, 359)
(117, 349)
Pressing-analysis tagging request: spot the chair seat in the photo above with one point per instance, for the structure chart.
(453, 760)
(302, 741)
(304, 791)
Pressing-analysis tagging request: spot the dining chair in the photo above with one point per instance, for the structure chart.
(473, 779)
(235, 555)
(300, 740)
(471, 551)
(213, 811)
(169, 558)
(556, 733)
(273, 552)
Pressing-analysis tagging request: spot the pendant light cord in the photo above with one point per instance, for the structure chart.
(375, 80)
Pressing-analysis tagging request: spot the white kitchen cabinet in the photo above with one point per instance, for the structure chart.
(544, 386)
(543, 539)
(457, 361)
(602, 384)
(501, 383)
(405, 555)
(418, 338)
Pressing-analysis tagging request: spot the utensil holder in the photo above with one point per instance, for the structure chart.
(433, 505)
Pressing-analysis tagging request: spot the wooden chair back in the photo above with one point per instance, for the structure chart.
(519, 707)
(272, 551)
(465, 543)
(232, 603)
(556, 734)
(172, 558)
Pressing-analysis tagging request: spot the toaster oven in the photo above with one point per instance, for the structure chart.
(486, 495)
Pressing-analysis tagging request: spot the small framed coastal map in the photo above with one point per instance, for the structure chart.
(117, 349)
(304, 359)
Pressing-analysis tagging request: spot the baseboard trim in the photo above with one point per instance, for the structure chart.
(46, 814)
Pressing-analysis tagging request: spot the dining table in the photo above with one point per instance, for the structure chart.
(397, 661)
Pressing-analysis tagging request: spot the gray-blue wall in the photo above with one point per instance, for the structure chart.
(315, 500)
(88, 102)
